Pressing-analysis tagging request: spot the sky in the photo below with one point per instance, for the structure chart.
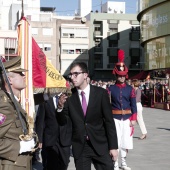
(68, 7)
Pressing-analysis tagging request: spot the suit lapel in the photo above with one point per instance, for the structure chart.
(51, 103)
(91, 99)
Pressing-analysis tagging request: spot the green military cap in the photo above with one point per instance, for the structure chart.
(14, 65)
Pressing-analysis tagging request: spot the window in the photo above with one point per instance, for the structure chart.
(10, 53)
(81, 48)
(41, 46)
(47, 47)
(65, 35)
(135, 52)
(80, 51)
(34, 31)
(98, 61)
(47, 31)
(113, 43)
(74, 48)
(10, 43)
(74, 33)
(113, 29)
(97, 28)
(67, 32)
(71, 35)
(81, 33)
(67, 49)
(9, 50)
(113, 59)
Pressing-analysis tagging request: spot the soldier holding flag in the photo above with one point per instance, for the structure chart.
(15, 149)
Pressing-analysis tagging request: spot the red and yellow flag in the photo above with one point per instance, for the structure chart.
(44, 73)
(41, 73)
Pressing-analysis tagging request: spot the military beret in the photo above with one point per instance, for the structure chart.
(14, 65)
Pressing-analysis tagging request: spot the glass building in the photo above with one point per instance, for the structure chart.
(154, 18)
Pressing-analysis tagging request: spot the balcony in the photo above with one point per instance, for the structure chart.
(98, 34)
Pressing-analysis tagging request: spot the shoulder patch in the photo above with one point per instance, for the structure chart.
(2, 118)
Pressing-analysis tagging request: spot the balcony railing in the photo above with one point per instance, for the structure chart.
(98, 34)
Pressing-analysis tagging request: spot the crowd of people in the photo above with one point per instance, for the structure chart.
(153, 90)
(94, 125)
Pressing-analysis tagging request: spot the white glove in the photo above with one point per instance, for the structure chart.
(26, 146)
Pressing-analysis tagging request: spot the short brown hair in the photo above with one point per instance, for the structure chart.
(135, 82)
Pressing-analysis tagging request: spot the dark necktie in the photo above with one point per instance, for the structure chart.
(56, 99)
(84, 103)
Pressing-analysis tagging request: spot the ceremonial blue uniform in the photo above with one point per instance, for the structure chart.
(123, 98)
(124, 110)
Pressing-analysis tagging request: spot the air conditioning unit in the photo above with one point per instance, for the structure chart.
(83, 20)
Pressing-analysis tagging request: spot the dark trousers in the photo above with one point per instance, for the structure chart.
(54, 160)
(89, 156)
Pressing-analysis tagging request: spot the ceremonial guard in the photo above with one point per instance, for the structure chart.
(16, 144)
(123, 101)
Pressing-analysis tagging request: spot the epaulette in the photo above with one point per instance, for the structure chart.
(3, 96)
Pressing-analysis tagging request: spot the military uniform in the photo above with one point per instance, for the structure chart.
(10, 130)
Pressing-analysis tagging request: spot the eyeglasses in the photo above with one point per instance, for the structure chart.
(74, 74)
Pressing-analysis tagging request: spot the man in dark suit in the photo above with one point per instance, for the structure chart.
(94, 134)
(56, 140)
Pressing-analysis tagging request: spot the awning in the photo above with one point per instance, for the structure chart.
(140, 76)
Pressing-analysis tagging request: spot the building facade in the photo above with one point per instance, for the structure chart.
(108, 34)
(9, 44)
(72, 42)
(10, 12)
(154, 18)
(95, 39)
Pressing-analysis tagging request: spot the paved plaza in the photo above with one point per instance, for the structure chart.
(152, 153)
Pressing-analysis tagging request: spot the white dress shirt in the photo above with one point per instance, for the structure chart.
(86, 93)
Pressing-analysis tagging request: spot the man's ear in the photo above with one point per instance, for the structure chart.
(9, 79)
(86, 75)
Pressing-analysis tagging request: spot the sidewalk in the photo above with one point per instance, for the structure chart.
(152, 153)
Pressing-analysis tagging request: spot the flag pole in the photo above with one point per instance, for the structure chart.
(22, 8)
